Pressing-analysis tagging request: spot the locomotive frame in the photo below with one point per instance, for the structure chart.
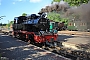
(36, 33)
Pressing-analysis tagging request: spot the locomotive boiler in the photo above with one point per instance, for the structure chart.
(34, 28)
(32, 23)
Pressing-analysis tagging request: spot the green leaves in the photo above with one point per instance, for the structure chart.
(24, 14)
(10, 23)
(73, 2)
(54, 16)
(56, 0)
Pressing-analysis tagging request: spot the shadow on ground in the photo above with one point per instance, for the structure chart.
(13, 48)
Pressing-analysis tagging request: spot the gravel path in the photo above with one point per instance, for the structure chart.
(14, 49)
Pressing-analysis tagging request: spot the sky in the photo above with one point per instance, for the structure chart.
(15, 8)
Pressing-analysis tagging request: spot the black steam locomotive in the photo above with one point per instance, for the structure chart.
(32, 23)
(33, 28)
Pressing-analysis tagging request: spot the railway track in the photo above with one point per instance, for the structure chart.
(66, 52)
(20, 50)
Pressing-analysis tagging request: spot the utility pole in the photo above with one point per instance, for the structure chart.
(8, 24)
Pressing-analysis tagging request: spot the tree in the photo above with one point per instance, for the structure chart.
(73, 2)
(76, 2)
(57, 18)
(9, 24)
(1, 17)
(24, 14)
(56, 0)
(54, 16)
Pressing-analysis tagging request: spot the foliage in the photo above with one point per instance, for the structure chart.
(24, 14)
(56, 17)
(2, 24)
(56, 0)
(73, 2)
(76, 2)
(65, 20)
(9, 24)
(1, 17)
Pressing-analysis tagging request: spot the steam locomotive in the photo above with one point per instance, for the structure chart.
(34, 28)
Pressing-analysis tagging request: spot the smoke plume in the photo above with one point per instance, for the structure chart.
(80, 13)
(83, 12)
(56, 6)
